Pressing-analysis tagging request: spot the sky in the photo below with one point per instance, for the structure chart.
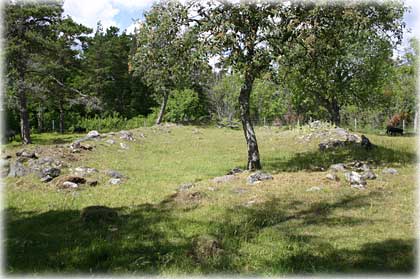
(123, 13)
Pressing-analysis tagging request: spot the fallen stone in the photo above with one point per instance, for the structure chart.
(223, 179)
(185, 186)
(331, 176)
(93, 134)
(338, 167)
(391, 171)
(205, 247)
(69, 185)
(93, 214)
(258, 177)
(235, 171)
(126, 135)
(115, 181)
(114, 174)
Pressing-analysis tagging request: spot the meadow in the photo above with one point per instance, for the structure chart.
(275, 227)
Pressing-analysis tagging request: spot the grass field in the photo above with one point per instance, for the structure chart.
(274, 227)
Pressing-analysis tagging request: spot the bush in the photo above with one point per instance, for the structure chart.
(183, 106)
(114, 122)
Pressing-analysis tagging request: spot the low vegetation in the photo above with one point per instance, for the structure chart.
(274, 227)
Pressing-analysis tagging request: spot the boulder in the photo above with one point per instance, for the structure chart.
(96, 213)
(93, 134)
(126, 135)
(338, 167)
(258, 177)
(53, 172)
(356, 180)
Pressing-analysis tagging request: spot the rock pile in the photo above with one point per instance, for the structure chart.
(258, 177)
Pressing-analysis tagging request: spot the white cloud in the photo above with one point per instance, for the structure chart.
(90, 12)
(130, 29)
(133, 3)
(414, 22)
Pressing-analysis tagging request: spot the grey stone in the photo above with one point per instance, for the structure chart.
(110, 141)
(257, 177)
(93, 134)
(331, 176)
(53, 172)
(338, 167)
(83, 171)
(47, 178)
(26, 154)
(223, 179)
(18, 170)
(185, 186)
(126, 135)
(69, 185)
(369, 175)
(390, 171)
(235, 171)
(114, 174)
(355, 179)
(115, 181)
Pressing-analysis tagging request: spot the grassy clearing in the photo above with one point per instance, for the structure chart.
(274, 227)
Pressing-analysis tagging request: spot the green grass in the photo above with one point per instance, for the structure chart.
(285, 230)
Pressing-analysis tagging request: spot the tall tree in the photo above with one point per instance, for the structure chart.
(168, 55)
(28, 32)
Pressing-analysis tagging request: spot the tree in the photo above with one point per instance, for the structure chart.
(247, 36)
(28, 32)
(343, 56)
(168, 55)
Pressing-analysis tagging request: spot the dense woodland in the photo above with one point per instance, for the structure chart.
(277, 62)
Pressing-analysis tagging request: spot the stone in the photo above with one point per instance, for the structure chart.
(391, 171)
(185, 186)
(115, 181)
(86, 147)
(59, 181)
(93, 134)
(47, 178)
(338, 167)
(330, 144)
(126, 135)
(26, 154)
(110, 141)
(353, 138)
(355, 179)
(83, 171)
(123, 145)
(114, 174)
(92, 182)
(69, 185)
(369, 175)
(235, 171)
(223, 179)
(53, 172)
(257, 177)
(97, 213)
(18, 170)
(331, 176)
(205, 247)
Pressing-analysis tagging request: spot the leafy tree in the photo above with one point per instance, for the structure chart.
(184, 105)
(168, 55)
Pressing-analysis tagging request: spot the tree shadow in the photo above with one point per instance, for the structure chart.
(313, 160)
(156, 238)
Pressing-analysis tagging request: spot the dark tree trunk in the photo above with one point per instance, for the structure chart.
(251, 140)
(25, 131)
(162, 109)
(61, 117)
(335, 113)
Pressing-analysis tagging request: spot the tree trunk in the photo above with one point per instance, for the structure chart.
(335, 113)
(25, 131)
(61, 117)
(415, 121)
(251, 139)
(162, 109)
(40, 119)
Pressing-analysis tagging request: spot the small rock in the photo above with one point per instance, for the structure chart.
(257, 177)
(223, 179)
(53, 172)
(355, 179)
(69, 185)
(338, 167)
(92, 182)
(123, 145)
(390, 171)
(114, 174)
(126, 135)
(83, 171)
(69, 178)
(369, 175)
(313, 189)
(93, 214)
(86, 147)
(115, 181)
(93, 134)
(331, 176)
(110, 141)
(235, 171)
(185, 186)
(46, 178)
(26, 154)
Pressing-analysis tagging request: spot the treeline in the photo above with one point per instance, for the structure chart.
(275, 61)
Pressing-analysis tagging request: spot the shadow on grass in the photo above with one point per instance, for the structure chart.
(47, 139)
(315, 159)
(151, 239)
